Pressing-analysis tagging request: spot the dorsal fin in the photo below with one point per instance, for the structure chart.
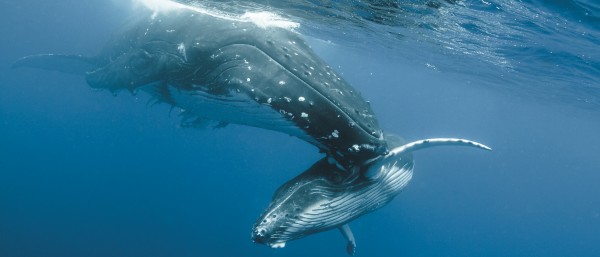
(72, 64)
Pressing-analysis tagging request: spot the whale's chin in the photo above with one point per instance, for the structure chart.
(277, 245)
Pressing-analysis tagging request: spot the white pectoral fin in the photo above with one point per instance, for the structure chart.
(382, 164)
(430, 142)
(347, 233)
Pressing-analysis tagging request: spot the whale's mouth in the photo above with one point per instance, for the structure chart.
(260, 236)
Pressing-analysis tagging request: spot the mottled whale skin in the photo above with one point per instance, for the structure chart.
(325, 197)
(233, 71)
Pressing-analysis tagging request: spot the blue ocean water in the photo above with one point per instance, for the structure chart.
(85, 173)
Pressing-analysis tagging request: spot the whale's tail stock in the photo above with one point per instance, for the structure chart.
(129, 70)
(72, 64)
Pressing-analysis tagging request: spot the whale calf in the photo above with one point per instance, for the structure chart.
(232, 70)
(325, 197)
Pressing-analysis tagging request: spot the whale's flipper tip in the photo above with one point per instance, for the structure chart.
(350, 248)
(349, 236)
(485, 147)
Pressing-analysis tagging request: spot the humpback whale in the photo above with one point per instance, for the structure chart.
(232, 70)
(325, 197)
(245, 71)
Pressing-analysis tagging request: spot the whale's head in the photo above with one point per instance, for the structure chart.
(326, 197)
(293, 211)
(270, 230)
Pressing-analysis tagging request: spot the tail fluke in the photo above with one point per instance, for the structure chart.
(72, 64)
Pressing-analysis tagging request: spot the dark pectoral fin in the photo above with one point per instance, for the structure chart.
(73, 64)
(347, 233)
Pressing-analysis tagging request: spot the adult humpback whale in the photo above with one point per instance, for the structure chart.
(325, 197)
(233, 70)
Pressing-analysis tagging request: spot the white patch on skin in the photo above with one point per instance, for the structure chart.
(301, 99)
(181, 48)
(278, 245)
(287, 99)
(248, 79)
(304, 115)
(281, 82)
(269, 100)
(335, 133)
